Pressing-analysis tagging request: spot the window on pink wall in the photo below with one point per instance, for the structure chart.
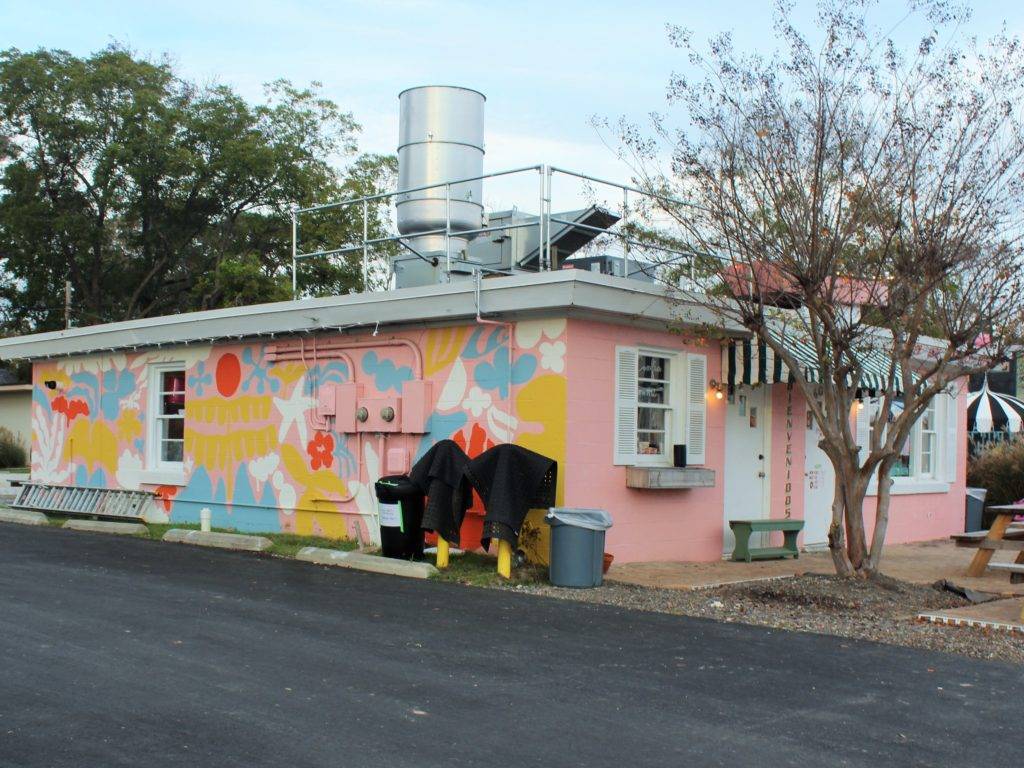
(654, 405)
(659, 403)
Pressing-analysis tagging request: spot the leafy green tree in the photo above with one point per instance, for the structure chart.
(153, 195)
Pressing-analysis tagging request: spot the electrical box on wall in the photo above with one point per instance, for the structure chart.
(346, 399)
(353, 411)
(415, 407)
(327, 401)
(379, 414)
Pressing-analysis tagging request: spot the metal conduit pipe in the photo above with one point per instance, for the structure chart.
(510, 330)
(334, 350)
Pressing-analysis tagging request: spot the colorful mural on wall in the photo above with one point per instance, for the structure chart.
(255, 451)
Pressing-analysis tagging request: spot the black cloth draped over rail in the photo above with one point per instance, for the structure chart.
(511, 480)
(440, 474)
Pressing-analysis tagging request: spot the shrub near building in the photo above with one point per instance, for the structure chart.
(999, 468)
(12, 453)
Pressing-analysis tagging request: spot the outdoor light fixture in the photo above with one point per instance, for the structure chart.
(718, 387)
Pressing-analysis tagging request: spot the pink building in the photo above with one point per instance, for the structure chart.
(252, 413)
(282, 416)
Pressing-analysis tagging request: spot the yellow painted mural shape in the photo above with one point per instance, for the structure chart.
(441, 347)
(541, 406)
(93, 444)
(316, 511)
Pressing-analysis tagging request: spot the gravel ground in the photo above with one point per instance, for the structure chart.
(882, 610)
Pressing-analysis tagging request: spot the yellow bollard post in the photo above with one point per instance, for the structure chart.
(504, 559)
(442, 553)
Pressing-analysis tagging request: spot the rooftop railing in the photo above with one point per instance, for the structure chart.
(632, 199)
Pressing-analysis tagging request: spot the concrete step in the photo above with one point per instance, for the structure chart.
(364, 562)
(23, 517)
(239, 541)
(107, 526)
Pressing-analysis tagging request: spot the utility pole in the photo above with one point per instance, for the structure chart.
(67, 303)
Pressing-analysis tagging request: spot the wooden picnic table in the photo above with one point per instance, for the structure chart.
(995, 538)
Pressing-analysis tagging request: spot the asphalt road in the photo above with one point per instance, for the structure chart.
(121, 652)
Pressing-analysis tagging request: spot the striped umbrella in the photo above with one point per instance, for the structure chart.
(989, 411)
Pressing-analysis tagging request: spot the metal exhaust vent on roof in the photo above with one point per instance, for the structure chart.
(440, 140)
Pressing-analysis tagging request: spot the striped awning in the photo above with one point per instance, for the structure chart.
(751, 362)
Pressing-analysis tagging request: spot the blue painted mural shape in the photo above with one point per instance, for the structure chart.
(495, 375)
(260, 373)
(386, 375)
(439, 427)
(117, 385)
(201, 379)
(473, 350)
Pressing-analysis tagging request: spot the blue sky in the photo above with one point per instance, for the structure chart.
(546, 67)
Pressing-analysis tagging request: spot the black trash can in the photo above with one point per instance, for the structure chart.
(400, 504)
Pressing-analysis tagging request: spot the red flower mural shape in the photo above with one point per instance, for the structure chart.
(166, 494)
(478, 443)
(321, 451)
(70, 408)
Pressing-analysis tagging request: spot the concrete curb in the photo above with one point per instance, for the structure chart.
(23, 517)
(362, 562)
(238, 541)
(107, 526)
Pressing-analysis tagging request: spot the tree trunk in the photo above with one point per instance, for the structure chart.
(856, 540)
(881, 515)
(836, 539)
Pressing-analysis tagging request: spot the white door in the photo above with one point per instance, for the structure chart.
(746, 461)
(819, 481)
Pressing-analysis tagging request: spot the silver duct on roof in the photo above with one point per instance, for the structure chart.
(440, 140)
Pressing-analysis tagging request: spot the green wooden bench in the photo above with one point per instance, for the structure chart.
(742, 529)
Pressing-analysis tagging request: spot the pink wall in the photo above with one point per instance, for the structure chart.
(927, 516)
(648, 524)
(651, 525)
(912, 517)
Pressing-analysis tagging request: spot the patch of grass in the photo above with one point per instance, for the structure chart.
(480, 570)
(288, 544)
(285, 544)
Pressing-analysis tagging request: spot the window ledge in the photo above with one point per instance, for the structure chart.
(906, 487)
(162, 477)
(669, 477)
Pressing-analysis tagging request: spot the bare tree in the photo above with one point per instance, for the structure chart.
(856, 199)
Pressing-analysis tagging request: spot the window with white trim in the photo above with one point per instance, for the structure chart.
(654, 405)
(166, 417)
(659, 403)
(925, 455)
(917, 456)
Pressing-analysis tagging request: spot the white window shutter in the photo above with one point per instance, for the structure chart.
(626, 362)
(947, 409)
(696, 408)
